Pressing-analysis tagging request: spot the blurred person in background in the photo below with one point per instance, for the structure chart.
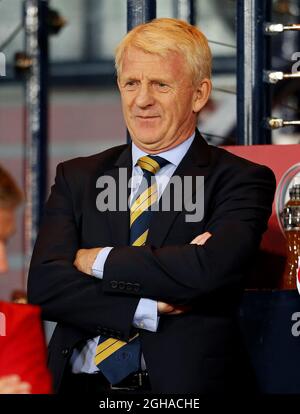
(22, 371)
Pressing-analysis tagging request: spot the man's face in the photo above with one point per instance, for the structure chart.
(7, 228)
(159, 101)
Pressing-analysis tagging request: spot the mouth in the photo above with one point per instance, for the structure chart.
(147, 117)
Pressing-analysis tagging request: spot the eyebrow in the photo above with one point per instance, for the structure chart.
(158, 80)
(125, 80)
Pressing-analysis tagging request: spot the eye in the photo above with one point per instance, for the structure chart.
(161, 86)
(131, 84)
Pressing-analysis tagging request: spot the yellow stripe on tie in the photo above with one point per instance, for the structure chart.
(142, 197)
(141, 239)
(153, 163)
(147, 167)
(145, 205)
(110, 350)
(147, 163)
(105, 344)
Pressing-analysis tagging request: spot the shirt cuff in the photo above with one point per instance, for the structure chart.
(145, 316)
(98, 265)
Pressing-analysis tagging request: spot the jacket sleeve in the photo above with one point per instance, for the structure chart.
(65, 294)
(185, 273)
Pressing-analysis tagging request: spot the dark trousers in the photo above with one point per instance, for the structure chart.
(97, 383)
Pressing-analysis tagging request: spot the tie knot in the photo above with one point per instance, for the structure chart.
(152, 163)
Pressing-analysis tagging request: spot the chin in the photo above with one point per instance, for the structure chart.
(146, 139)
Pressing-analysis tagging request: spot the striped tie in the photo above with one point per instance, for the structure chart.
(117, 359)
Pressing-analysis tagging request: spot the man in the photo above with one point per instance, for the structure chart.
(22, 347)
(147, 300)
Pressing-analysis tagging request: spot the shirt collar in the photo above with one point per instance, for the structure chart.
(174, 155)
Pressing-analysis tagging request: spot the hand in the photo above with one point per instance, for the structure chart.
(168, 309)
(85, 258)
(201, 239)
(13, 384)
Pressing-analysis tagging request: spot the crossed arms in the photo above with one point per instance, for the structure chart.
(85, 259)
(177, 275)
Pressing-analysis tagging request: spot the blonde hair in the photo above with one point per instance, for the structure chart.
(10, 194)
(165, 35)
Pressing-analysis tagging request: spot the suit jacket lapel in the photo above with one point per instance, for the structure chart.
(195, 163)
(119, 219)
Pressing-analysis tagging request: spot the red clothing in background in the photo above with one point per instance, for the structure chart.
(23, 347)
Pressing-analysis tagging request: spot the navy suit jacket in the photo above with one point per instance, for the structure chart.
(199, 351)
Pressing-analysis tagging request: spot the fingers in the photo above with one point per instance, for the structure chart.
(176, 312)
(164, 308)
(201, 239)
(168, 309)
(78, 258)
(85, 258)
(13, 384)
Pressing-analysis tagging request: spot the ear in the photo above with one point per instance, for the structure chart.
(201, 94)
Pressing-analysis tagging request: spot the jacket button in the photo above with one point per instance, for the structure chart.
(122, 285)
(114, 284)
(136, 287)
(65, 352)
(129, 286)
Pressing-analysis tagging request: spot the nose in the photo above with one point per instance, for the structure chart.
(144, 96)
(3, 258)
